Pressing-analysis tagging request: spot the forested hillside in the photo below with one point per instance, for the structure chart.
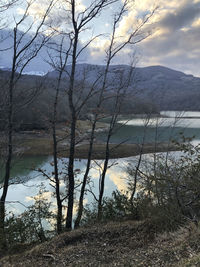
(151, 89)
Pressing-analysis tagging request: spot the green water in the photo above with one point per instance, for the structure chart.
(136, 133)
(21, 167)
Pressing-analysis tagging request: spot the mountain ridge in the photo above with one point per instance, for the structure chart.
(157, 86)
(168, 89)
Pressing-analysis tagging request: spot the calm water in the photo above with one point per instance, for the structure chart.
(136, 129)
(133, 132)
(22, 166)
(24, 193)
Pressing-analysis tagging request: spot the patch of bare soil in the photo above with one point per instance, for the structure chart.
(114, 244)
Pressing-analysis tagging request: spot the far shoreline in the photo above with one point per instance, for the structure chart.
(40, 143)
(116, 150)
(120, 151)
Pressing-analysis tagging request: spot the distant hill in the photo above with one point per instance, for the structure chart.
(150, 89)
(156, 86)
(165, 88)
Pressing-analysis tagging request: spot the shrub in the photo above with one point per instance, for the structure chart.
(35, 224)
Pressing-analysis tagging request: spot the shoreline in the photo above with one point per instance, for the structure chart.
(121, 151)
(40, 143)
(81, 151)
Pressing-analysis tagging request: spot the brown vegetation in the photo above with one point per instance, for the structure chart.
(115, 244)
(43, 146)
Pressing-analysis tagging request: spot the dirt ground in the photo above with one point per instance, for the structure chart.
(115, 244)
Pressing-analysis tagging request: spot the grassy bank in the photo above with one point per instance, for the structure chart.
(115, 244)
(43, 146)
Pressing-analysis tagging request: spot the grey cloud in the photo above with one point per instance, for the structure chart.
(179, 50)
(182, 41)
(39, 63)
(174, 48)
(182, 17)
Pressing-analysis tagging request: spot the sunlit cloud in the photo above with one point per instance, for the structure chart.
(20, 11)
(175, 31)
(118, 179)
(44, 195)
(196, 23)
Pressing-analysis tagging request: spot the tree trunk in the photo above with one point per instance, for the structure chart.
(58, 200)
(2, 226)
(102, 182)
(10, 150)
(73, 128)
(55, 157)
(80, 206)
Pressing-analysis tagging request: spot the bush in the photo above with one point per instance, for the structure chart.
(167, 191)
(115, 208)
(34, 225)
(168, 186)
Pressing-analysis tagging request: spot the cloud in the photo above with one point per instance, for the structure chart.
(196, 23)
(115, 174)
(175, 35)
(43, 196)
(174, 41)
(181, 17)
(36, 9)
(118, 179)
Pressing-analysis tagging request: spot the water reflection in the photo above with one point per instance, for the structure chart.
(185, 114)
(21, 166)
(21, 195)
(116, 176)
(165, 122)
(159, 129)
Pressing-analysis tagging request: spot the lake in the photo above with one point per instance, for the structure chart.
(161, 129)
(24, 193)
(21, 195)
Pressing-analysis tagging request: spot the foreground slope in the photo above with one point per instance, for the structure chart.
(115, 244)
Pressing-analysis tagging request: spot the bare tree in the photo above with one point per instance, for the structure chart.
(113, 49)
(25, 48)
(79, 22)
(58, 62)
(24, 51)
(135, 172)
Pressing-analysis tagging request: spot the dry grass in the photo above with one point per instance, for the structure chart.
(44, 146)
(115, 244)
(37, 146)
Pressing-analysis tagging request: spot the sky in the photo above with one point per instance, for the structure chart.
(174, 41)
